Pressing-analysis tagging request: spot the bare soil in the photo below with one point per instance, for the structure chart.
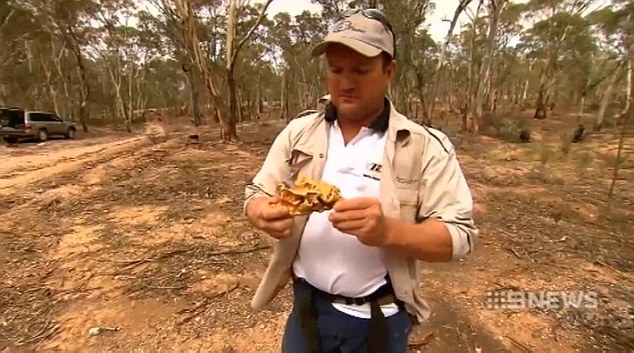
(131, 244)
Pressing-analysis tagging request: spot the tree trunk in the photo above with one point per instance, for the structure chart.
(468, 121)
(130, 100)
(283, 98)
(52, 90)
(258, 97)
(547, 79)
(551, 95)
(115, 78)
(462, 5)
(229, 132)
(540, 105)
(140, 99)
(184, 9)
(240, 104)
(68, 111)
(193, 95)
(495, 7)
(452, 99)
(525, 91)
(582, 105)
(139, 92)
(84, 87)
(630, 84)
(619, 159)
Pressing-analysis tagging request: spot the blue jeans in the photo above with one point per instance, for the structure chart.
(340, 332)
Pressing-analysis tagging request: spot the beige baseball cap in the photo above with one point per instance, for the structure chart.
(365, 35)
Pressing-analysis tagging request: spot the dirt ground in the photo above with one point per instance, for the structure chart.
(123, 244)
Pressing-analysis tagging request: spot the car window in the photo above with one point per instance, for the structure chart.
(38, 117)
(43, 117)
(55, 118)
(12, 117)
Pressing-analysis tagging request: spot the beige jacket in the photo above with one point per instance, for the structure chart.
(419, 167)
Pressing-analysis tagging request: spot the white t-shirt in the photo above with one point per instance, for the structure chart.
(333, 261)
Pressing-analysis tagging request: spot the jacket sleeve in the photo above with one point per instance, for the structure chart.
(445, 194)
(273, 171)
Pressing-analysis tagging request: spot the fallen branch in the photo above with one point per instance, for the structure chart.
(240, 251)
(136, 262)
(611, 268)
(130, 262)
(46, 331)
(80, 289)
(514, 252)
(196, 310)
(166, 287)
(46, 334)
(519, 345)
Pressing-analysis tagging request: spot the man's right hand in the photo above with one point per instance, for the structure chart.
(273, 220)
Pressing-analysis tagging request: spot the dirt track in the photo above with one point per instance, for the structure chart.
(146, 242)
(32, 163)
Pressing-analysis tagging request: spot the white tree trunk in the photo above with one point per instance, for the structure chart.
(605, 98)
(495, 7)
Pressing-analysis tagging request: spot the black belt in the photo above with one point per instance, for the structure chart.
(377, 335)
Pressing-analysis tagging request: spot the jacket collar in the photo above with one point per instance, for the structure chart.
(381, 123)
(398, 129)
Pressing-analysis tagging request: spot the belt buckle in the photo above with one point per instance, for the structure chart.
(352, 301)
(359, 301)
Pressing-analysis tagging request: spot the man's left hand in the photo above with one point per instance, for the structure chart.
(361, 217)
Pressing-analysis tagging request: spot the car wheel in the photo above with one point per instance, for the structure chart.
(10, 139)
(71, 133)
(42, 135)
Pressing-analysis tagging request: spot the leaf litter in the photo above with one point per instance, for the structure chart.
(152, 262)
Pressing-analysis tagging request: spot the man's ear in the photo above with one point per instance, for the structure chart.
(390, 70)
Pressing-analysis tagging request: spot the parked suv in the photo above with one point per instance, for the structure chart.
(16, 123)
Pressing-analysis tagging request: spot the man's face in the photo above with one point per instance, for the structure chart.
(356, 83)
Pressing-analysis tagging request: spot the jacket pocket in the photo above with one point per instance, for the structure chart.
(298, 163)
(408, 201)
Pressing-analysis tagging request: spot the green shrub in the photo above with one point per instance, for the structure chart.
(508, 128)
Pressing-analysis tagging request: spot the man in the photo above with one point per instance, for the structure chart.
(354, 269)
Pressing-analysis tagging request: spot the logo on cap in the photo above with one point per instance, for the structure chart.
(346, 25)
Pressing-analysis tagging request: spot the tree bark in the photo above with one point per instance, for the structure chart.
(547, 79)
(525, 90)
(630, 84)
(619, 159)
(284, 98)
(495, 7)
(229, 132)
(84, 87)
(50, 84)
(68, 111)
(468, 120)
(229, 129)
(462, 5)
(192, 43)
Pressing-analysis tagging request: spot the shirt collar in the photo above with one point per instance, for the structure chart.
(381, 123)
